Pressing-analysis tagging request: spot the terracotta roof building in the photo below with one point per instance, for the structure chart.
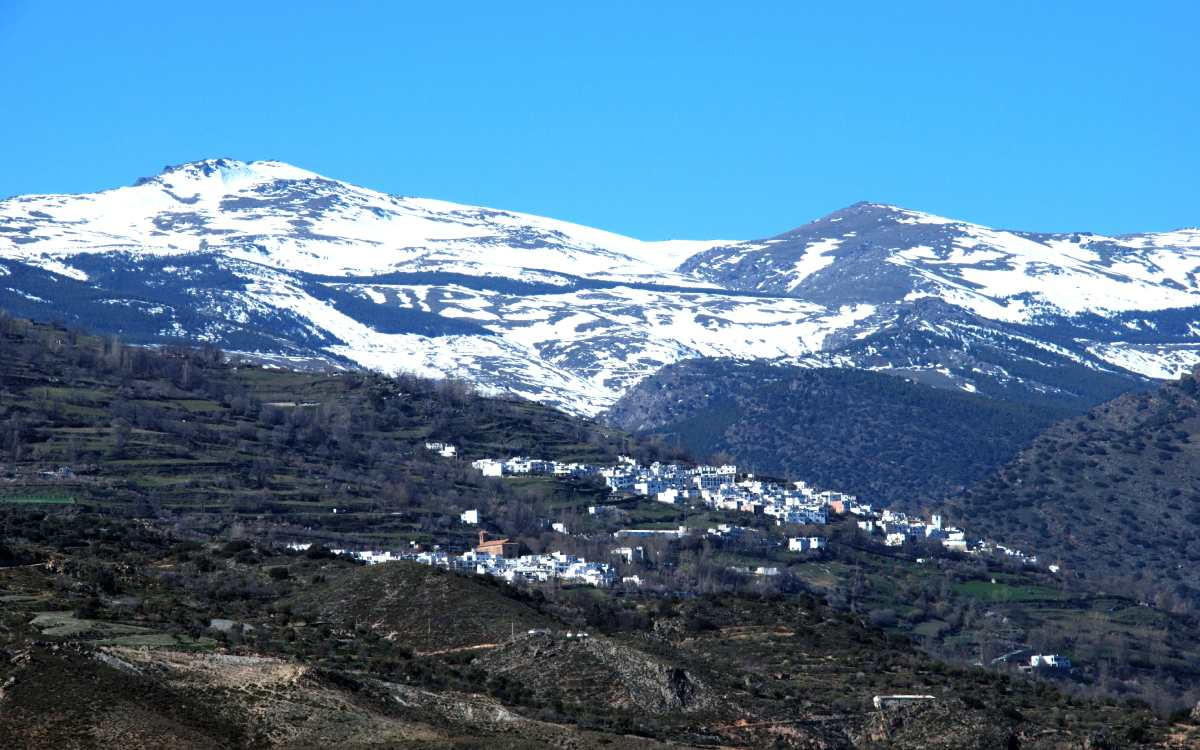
(497, 547)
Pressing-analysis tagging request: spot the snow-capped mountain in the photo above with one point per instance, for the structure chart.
(1017, 277)
(266, 258)
(300, 221)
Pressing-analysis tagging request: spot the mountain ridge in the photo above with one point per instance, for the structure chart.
(273, 260)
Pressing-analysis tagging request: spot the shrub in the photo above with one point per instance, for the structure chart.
(882, 618)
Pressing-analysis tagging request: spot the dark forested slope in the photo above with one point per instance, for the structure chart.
(875, 435)
(1113, 495)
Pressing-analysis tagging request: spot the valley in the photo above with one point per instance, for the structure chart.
(149, 498)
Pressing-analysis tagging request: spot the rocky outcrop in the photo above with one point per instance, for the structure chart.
(579, 670)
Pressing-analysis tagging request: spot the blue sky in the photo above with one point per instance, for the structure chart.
(656, 119)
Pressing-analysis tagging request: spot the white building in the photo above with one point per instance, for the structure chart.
(678, 532)
(489, 467)
(628, 554)
(805, 543)
(470, 517)
(1049, 661)
(445, 450)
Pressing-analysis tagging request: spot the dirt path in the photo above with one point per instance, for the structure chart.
(459, 649)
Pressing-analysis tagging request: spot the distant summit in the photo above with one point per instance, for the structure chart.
(281, 262)
(227, 171)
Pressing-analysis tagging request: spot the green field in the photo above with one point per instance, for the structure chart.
(1002, 592)
(36, 500)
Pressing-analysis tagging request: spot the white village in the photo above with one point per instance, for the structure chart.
(688, 487)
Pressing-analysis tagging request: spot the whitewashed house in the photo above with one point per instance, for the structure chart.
(489, 467)
(806, 543)
(1049, 661)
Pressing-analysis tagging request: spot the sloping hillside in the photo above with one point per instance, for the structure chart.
(116, 639)
(187, 435)
(72, 697)
(1113, 496)
(424, 608)
(878, 436)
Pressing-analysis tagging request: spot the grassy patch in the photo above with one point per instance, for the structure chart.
(1003, 592)
(196, 404)
(930, 628)
(64, 624)
(37, 499)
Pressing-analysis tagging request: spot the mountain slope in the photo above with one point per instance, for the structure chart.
(880, 437)
(166, 446)
(187, 434)
(270, 259)
(1113, 496)
(134, 663)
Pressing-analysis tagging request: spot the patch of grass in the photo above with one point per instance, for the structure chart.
(88, 395)
(158, 640)
(196, 404)
(37, 500)
(64, 624)
(930, 628)
(1003, 592)
(20, 598)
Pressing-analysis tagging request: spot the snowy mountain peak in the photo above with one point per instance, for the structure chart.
(229, 172)
(281, 216)
(876, 253)
(867, 211)
(265, 257)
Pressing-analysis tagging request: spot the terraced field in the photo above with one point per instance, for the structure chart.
(213, 444)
